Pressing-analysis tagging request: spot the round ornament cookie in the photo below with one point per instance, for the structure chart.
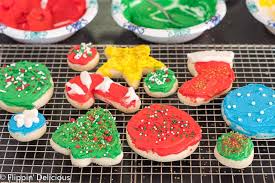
(250, 110)
(161, 83)
(163, 133)
(25, 85)
(27, 126)
(92, 138)
(83, 57)
(234, 150)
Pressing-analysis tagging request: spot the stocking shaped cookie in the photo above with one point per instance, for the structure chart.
(92, 138)
(81, 90)
(213, 77)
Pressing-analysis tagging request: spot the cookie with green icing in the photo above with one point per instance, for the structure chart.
(24, 85)
(92, 138)
(234, 150)
(161, 83)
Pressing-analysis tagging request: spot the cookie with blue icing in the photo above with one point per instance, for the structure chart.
(27, 126)
(250, 110)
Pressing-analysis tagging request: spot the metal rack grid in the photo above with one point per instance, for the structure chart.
(253, 64)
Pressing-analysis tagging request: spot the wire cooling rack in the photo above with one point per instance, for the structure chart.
(35, 160)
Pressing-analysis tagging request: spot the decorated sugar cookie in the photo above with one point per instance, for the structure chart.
(250, 110)
(25, 85)
(83, 57)
(163, 133)
(234, 150)
(213, 77)
(27, 126)
(129, 63)
(81, 90)
(92, 138)
(161, 83)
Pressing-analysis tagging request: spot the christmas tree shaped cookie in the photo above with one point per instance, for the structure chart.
(92, 138)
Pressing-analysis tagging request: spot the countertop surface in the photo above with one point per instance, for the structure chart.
(238, 27)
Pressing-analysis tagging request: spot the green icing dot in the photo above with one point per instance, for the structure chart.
(93, 135)
(165, 14)
(23, 83)
(234, 146)
(162, 80)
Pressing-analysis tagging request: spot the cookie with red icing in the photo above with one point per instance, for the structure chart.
(82, 90)
(83, 57)
(163, 133)
(213, 77)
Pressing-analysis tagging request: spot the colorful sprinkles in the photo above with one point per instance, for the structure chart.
(234, 146)
(159, 125)
(21, 85)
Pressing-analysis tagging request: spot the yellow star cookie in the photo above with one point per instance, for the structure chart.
(129, 63)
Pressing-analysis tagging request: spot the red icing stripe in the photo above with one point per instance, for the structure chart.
(116, 92)
(213, 79)
(82, 60)
(163, 129)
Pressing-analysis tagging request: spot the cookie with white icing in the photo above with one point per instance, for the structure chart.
(161, 83)
(83, 57)
(27, 126)
(250, 110)
(213, 77)
(82, 90)
(234, 150)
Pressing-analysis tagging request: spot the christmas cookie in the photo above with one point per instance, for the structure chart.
(92, 138)
(161, 83)
(163, 133)
(81, 90)
(250, 110)
(213, 77)
(129, 63)
(27, 126)
(83, 57)
(234, 150)
(25, 85)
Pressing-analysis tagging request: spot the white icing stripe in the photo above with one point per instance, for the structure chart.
(27, 118)
(75, 89)
(3, 91)
(105, 85)
(131, 95)
(86, 79)
(206, 56)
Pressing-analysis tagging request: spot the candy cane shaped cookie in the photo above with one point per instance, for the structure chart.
(82, 90)
(213, 77)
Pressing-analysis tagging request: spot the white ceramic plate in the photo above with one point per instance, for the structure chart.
(167, 35)
(55, 35)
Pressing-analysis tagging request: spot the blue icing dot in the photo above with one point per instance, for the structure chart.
(12, 126)
(256, 111)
